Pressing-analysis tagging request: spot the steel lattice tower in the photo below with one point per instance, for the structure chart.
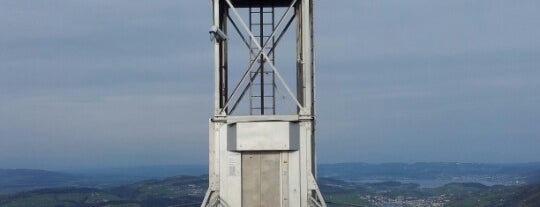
(262, 154)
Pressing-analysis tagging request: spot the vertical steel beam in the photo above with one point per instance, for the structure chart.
(307, 57)
(216, 8)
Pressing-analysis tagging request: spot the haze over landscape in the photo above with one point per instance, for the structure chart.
(101, 84)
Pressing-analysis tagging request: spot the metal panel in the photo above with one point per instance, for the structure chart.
(304, 193)
(294, 179)
(263, 136)
(285, 179)
(213, 167)
(270, 179)
(230, 170)
(251, 195)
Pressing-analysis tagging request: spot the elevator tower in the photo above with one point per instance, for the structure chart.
(262, 135)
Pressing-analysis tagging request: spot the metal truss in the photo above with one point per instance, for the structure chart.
(260, 52)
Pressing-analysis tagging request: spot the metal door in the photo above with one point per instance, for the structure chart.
(261, 179)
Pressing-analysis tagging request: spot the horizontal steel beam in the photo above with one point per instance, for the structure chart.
(257, 3)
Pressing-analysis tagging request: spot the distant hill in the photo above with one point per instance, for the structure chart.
(472, 194)
(534, 177)
(448, 171)
(147, 172)
(339, 193)
(527, 196)
(189, 191)
(17, 180)
(84, 197)
(14, 180)
(174, 191)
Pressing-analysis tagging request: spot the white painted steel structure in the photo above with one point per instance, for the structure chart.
(265, 157)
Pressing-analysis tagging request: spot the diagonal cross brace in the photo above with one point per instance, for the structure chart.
(256, 74)
(261, 52)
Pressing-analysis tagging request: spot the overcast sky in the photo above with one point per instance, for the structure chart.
(127, 83)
